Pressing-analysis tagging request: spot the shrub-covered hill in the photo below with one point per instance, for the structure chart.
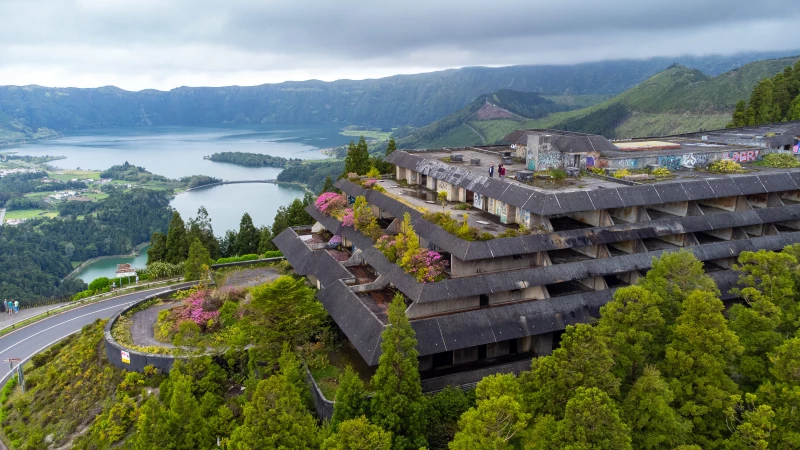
(484, 121)
(677, 100)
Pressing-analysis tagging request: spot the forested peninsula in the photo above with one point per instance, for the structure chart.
(254, 159)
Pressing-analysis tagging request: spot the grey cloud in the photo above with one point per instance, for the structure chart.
(249, 42)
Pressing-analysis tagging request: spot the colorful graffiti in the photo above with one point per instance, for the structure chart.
(525, 215)
(688, 160)
(590, 161)
(671, 162)
(743, 156)
(549, 160)
(796, 146)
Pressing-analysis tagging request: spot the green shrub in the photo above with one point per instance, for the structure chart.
(99, 284)
(725, 166)
(779, 160)
(597, 170)
(273, 254)
(558, 174)
(232, 259)
(462, 206)
(622, 173)
(661, 172)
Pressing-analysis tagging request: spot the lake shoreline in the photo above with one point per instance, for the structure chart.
(134, 253)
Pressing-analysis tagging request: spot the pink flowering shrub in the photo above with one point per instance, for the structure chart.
(348, 218)
(194, 308)
(335, 240)
(369, 184)
(426, 266)
(330, 203)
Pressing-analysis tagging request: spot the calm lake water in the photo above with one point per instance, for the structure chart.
(108, 267)
(178, 152)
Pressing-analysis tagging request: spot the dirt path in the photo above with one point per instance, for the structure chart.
(142, 326)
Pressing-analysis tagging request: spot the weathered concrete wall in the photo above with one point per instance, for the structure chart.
(322, 405)
(459, 268)
(417, 310)
(533, 292)
(474, 376)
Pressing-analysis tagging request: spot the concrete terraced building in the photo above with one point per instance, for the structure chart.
(508, 299)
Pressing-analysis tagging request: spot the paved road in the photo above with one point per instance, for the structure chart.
(27, 341)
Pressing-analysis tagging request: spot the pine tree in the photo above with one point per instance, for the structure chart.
(783, 395)
(756, 326)
(200, 228)
(357, 159)
(582, 360)
(591, 422)
(443, 410)
(497, 419)
(185, 421)
(673, 276)
(177, 245)
(636, 331)
(198, 256)
(771, 275)
(328, 186)
(654, 423)
(754, 424)
(391, 146)
(696, 361)
(351, 398)
(152, 427)
(265, 241)
(275, 418)
(398, 405)
(739, 115)
(158, 248)
(248, 237)
(358, 434)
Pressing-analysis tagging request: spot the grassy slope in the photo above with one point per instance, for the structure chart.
(674, 101)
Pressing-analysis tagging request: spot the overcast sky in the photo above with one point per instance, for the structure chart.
(139, 44)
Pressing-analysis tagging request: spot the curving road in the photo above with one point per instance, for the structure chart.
(38, 336)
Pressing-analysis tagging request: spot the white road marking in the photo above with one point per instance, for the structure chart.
(22, 363)
(121, 305)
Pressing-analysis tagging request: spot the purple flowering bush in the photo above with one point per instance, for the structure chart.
(348, 217)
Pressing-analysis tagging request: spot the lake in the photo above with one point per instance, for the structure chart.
(107, 267)
(178, 152)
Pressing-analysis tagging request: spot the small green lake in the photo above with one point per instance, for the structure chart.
(107, 267)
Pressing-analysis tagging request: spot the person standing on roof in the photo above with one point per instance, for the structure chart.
(501, 171)
(491, 171)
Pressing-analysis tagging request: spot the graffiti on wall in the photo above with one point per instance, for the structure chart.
(670, 162)
(796, 146)
(525, 215)
(743, 156)
(477, 201)
(442, 186)
(590, 161)
(549, 160)
(631, 163)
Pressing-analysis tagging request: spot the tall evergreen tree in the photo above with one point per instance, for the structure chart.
(177, 246)
(636, 331)
(186, 423)
(756, 326)
(351, 398)
(265, 241)
(754, 425)
(391, 146)
(696, 365)
(200, 228)
(198, 256)
(153, 427)
(398, 405)
(248, 237)
(227, 246)
(739, 115)
(275, 418)
(328, 186)
(292, 215)
(673, 276)
(497, 419)
(357, 159)
(770, 275)
(783, 395)
(592, 422)
(654, 423)
(582, 360)
(358, 434)
(158, 248)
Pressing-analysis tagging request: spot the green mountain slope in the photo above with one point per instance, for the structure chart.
(482, 122)
(414, 100)
(676, 100)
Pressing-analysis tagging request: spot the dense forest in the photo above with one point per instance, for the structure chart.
(664, 367)
(254, 159)
(36, 254)
(774, 99)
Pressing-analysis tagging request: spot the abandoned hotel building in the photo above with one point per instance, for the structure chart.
(507, 299)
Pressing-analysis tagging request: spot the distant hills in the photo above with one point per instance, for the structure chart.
(405, 100)
(676, 100)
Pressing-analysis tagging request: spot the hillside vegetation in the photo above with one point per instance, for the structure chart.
(677, 100)
(28, 112)
(487, 119)
(774, 99)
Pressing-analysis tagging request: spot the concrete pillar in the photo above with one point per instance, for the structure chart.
(542, 344)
